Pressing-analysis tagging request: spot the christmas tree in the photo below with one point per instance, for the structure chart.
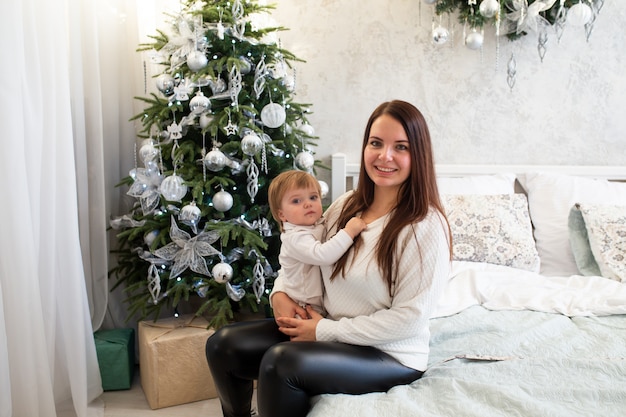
(222, 124)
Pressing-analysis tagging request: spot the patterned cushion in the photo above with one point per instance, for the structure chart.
(494, 229)
(606, 231)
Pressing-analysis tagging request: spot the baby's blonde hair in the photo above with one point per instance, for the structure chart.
(285, 182)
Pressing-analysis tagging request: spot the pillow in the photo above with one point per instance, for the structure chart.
(579, 242)
(494, 229)
(550, 198)
(606, 230)
(477, 184)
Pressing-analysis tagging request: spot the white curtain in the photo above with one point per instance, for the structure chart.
(67, 80)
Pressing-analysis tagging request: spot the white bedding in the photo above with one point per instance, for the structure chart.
(498, 287)
(508, 342)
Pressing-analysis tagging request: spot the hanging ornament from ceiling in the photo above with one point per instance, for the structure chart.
(514, 19)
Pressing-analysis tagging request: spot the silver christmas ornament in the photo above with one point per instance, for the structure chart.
(149, 237)
(165, 84)
(222, 272)
(222, 201)
(307, 129)
(474, 40)
(251, 144)
(440, 35)
(304, 161)
(215, 160)
(205, 120)
(246, 65)
(173, 188)
(148, 152)
(579, 14)
(196, 60)
(489, 8)
(273, 115)
(324, 188)
(199, 103)
(190, 214)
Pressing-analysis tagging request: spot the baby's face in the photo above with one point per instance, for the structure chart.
(301, 206)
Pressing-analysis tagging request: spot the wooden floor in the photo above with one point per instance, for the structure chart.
(133, 403)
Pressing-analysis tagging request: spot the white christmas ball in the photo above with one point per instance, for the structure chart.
(205, 120)
(246, 65)
(307, 129)
(196, 60)
(222, 272)
(149, 237)
(165, 84)
(324, 188)
(173, 188)
(190, 213)
(273, 115)
(222, 201)
(305, 161)
(474, 40)
(251, 144)
(218, 86)
(579, 14)
(489, 8)
(199, 103)
(440, 35)
(215, 160)
(289, 81)
(148, 152)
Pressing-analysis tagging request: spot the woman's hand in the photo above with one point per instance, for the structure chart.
(284, 306)
(300, 330)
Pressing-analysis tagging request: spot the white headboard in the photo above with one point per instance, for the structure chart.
(346, 175)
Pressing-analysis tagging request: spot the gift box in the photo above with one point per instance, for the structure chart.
(116, 357)
(172, 361)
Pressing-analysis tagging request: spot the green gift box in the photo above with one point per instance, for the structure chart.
(116, 357)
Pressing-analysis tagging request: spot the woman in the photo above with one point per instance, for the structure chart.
(379, 295)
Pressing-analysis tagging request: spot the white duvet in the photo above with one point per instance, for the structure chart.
(502, 288)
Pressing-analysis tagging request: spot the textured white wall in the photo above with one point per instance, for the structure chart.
(568, 110)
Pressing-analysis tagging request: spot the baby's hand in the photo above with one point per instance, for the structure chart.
(355, 226)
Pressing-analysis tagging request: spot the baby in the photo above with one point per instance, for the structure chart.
(296, 204)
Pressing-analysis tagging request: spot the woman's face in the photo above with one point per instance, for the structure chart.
(386, 157)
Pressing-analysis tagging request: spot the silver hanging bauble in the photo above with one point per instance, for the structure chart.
(251, 144)
(246, 65)
(215, 160)
(196, 60)
(324, 188)
(165, 84)
(304, 161)
(148, 152)
(273, 115)
(474, 40)
(222, 201)
(489, 8)
(222, 272)
(218, 86)
(205, 120)
(235, 292)
(579, 14)
(199, 103)
(149, 237)
(440, 35)
(173, 188)
(190, 214)
(307, 129)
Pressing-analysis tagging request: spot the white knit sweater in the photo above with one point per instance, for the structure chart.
(360, 309)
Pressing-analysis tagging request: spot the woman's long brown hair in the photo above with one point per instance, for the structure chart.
(417, 195)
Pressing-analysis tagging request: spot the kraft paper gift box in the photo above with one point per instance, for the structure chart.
(172, 362)
(116, 357)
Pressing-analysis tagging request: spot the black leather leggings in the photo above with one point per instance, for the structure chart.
(290, 373)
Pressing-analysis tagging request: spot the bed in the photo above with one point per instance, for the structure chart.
(533, 321)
